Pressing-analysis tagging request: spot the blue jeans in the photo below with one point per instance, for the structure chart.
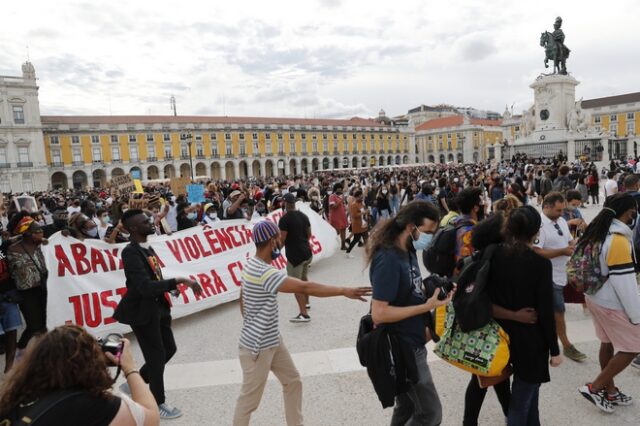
(523, 409)
(420, 405)
(395, 204)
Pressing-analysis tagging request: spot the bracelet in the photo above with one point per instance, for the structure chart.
(127, 374)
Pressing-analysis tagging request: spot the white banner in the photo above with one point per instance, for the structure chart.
(86, 278)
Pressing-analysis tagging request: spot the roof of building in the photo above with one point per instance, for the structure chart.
(627, 98)
(423, 108)
(193, 119)
(453, 121)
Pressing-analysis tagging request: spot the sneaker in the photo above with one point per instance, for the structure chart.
(599, 399)
(301, 318)
(572, 353)
(124, 388)
(168, 412)
(350, 256)
(636, 362)
(619, 398)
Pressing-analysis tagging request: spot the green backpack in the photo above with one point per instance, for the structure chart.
(584, 273)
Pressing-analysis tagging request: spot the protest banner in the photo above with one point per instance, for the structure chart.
(138, 203)
(123, 183)
(195, 193)
(86, 278)
(178, 185)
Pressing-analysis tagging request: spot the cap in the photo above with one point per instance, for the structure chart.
(289, 198)
(264, 231)
(234, 194)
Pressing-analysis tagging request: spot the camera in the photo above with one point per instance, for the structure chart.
(112, 343)
(434, 281)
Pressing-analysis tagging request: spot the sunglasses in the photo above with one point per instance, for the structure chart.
(555, 225)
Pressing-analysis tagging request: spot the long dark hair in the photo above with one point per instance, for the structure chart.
(614, 207)
(384, 235)
(521, 226)
(66, 357)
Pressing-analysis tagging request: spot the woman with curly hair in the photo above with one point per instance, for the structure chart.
(66, 371)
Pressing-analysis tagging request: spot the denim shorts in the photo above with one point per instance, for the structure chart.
(558, 299)
(10, 319)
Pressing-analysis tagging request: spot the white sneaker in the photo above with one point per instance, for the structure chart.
(349, 256)
(168, 412)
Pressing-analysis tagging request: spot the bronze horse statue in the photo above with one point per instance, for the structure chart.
(558, 56)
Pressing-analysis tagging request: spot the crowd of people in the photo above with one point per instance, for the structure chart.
(394, 214)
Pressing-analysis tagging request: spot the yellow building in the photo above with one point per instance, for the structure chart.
(458, 139)
(88, 150)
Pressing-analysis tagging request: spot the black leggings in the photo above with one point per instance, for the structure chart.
(355, 239)
(34, 311)
(474, 397)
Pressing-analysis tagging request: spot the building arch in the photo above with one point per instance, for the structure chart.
(59, 180)
(215, 171)
(79, 179)
(99, 177)
(117, 172)
(229, 172)
(185, 170)
(169, 171)
(153, 173)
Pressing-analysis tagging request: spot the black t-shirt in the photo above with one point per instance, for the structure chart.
(6, 283)
(395, 278)
(297, 225)
(84, 410)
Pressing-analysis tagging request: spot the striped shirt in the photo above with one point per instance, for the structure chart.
(260, 284)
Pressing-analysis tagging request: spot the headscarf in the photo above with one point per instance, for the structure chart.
(24, 225)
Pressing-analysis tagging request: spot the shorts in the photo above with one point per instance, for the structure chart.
(10, 319)
(613, 326)
(299, 271)
(558, 299)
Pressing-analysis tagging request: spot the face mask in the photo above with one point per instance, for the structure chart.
(93, 232)
(125, 235)
(191, 216)
(423, 241)
(98, 205)
(384, 192)
(41, 223)
(571, 208)
(124, 210)
(212, 215)
(105, 219)
(276, 253)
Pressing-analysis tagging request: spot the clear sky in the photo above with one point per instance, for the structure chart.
(310, 58)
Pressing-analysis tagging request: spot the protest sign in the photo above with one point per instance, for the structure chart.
(135, 174)
(123, 183)
(26, 202)
(86, 278)
(179, 185)
(138, 203)
(138, 184)
(195, 193)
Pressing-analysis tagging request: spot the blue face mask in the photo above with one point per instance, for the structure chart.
(275, 253)
(423, 241)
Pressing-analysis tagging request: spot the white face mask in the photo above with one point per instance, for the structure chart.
(212, 215)
(93, 232)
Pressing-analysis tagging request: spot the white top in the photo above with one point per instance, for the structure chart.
(550, 238)
(610, 187)
(172, 217)
(72, 209)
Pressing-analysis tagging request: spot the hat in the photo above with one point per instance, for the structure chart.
(264, 231)
(289, 198)
(207, 206)
(235, 186)
(234, 193)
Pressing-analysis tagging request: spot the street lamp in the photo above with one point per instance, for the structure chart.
(188, 138)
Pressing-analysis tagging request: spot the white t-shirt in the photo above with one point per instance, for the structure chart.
(550, 238)
(610, 187)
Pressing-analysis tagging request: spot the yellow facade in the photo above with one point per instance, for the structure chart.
(604, 121)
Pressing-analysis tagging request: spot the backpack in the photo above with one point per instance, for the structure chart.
(472, 304)
(30, 414)
(584, 273)
(439, 257)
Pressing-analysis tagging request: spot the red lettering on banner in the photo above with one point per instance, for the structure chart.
(184, 249)
(105, 298)
(316, 247)
(77, 309)
(95, 319)
(173, 247)
(236, 278)
(198, 297)
(217, 281)
(121, 291)
(224, 238)
(114, 256)
(63, 261)
(192, 248)
(183, 292)
(213, 242)
(205, 282)
(231, 231)
(205, 253)
(79, 251)
(98, 259)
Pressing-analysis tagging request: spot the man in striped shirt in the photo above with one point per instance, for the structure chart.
(261, 346)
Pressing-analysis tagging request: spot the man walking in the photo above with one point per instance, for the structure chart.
(145, 306)
(556, 244)
(261, 346)
(295, 231)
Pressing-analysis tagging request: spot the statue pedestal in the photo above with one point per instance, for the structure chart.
(554, 98)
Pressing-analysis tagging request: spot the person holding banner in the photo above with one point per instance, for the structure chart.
(145, 306)
(261, 346)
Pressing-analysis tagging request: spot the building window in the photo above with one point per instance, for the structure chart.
(77, 155)
(114, 138)
(267, 136)
(303, 136)
(243, 148)
(167, 151)
(613, 128)
(631, 128)
(133, 153)
(95, 139)
(256, 146)
(314, 136)
(324, 136)
(166, 137)
(267, 146)
(315, 145)
(214, 136)
(279, 136)
(132, 138)
(151, 150)
(292, 146)
(56, 158)
(254, 136)
(292, 136)
(229, 148)
(596, 119)
(18, 114)
(115, 153)
(149, 137)
(440, 145)
(198, 137)
(613, 117)
(304, 147)
(23, 154)
(227, 136)
(325, 145)
(3, 158)
(241, 136)
(97, 154)
(214, 149)
(75, 139)
(280, 146)
(184, 151)
(199, 150)
(631, 116)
